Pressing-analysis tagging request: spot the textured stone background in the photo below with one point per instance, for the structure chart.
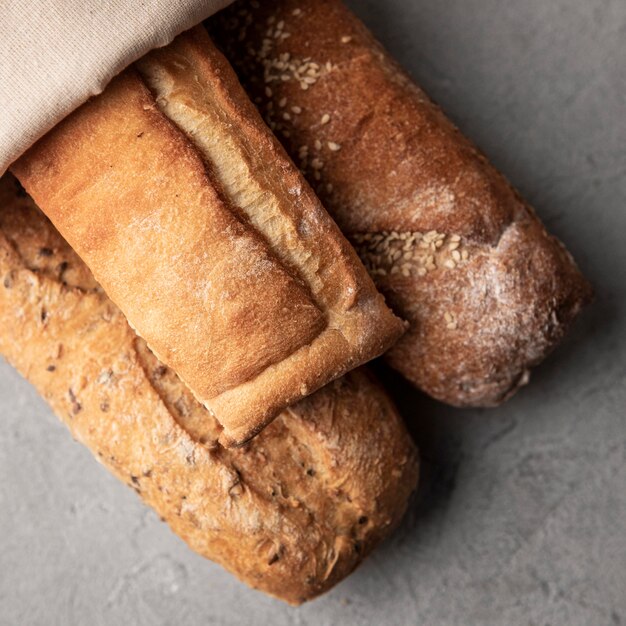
(521, 516)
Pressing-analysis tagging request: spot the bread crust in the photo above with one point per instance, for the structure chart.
(291, 513)
(487, 291)
(254, 302)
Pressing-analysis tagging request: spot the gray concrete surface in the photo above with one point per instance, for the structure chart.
(521, 516)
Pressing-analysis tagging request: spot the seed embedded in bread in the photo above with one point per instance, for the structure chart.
(420, 252)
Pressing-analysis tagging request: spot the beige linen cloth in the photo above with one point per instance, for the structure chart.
(55, 54)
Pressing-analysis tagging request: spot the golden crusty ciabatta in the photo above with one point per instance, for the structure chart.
(290, 513)
(487, 291)
(198, 226)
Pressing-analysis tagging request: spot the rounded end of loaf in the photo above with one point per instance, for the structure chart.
(313, 493)
(371, 331)
(341, 463)
(478, 329)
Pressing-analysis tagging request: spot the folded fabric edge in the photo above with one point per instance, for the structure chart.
(66, 53)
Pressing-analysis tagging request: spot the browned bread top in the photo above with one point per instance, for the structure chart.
(486, 290)
(290, 513)
(198, 226)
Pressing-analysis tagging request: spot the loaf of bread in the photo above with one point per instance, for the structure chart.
(487, 292)
(290, 513)
(198, 226)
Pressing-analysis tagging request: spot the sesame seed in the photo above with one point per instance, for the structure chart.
(334, 146)
(296, 110)
(405, 251)
(317, 144)
(282, 102)
(448, 316)
(325, 118)
(286, 116)
(346, 39)
(296, 12)
(268, 92)
(329, 187)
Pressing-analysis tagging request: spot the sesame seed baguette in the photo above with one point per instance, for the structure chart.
(199, 227)
(487, 291)
(291, 513)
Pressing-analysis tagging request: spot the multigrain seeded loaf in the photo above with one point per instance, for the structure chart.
(199, 227)
(487, 291)
(290, 513)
